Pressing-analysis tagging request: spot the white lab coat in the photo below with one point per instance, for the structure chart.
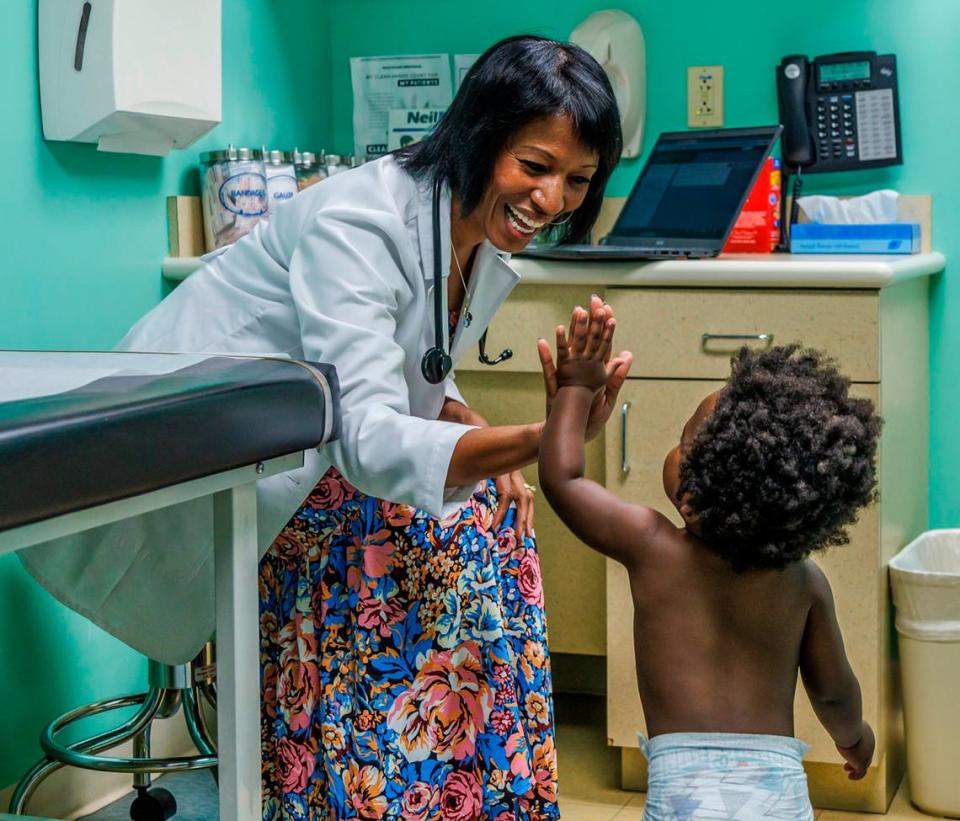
(342, 273)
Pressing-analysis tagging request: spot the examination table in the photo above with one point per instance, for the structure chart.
(87, 439)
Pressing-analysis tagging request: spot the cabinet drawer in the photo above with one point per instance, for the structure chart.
(530, 312)
(665, 328)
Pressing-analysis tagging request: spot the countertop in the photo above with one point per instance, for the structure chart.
(725, 271)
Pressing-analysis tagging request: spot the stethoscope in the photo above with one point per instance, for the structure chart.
(436, 362)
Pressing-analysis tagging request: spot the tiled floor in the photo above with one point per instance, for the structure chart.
(589, 778)
(589, 773)
(195, 791)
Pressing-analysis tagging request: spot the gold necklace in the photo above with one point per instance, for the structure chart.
(465, 305)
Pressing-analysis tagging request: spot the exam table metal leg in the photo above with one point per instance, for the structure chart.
(238, 667)
(196, 724)
(204, 692)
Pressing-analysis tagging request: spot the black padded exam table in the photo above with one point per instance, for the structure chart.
(92, 438)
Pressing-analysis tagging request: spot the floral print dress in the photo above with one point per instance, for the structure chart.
(404, 664)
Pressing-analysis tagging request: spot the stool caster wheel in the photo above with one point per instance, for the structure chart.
(157, 804)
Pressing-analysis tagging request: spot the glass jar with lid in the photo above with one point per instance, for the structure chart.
(233, 193)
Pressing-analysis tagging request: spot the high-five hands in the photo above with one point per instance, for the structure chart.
(572, 345)
(582, 359)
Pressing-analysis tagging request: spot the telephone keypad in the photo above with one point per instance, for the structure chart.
(836, 127)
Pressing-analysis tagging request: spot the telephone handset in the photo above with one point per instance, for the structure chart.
(839, 112)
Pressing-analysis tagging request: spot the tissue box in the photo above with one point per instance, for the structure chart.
(757, 229)
(880, 238)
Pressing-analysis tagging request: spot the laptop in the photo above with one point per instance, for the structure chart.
(685, 201)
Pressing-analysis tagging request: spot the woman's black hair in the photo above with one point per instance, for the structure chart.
(513, 83)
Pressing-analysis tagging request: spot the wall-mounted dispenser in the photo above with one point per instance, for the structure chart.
(614, 39)
(137, 76)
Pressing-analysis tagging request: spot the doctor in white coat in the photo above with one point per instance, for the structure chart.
(401, 566)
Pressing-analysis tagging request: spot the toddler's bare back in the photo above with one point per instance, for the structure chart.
(716, 651)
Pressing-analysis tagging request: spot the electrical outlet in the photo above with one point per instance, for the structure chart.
(705, 96)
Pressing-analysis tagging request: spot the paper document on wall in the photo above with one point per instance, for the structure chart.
(461, 65)
(410, 125)
(382, 84)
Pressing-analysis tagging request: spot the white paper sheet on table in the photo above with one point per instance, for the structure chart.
(159, 601)
(31, 374)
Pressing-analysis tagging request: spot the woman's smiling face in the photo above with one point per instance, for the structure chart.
(543, 172)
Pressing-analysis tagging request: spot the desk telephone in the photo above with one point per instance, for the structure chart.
(840, 112)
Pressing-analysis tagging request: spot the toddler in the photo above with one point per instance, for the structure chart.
(728, 607)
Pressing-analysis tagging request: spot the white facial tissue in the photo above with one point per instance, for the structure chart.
(876, 207)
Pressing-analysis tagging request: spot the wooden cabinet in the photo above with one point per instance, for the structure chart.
(657, 410)
(878, 336)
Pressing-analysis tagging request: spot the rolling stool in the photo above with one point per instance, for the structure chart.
(170, 687)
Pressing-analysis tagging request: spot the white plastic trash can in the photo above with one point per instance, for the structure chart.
(925, 577)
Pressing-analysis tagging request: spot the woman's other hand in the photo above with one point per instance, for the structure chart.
(617, 369)
(513, 488)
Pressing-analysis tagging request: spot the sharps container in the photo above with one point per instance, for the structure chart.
(234, 194)
(925, 577)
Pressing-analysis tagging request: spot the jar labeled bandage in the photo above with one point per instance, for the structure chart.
(234, 194)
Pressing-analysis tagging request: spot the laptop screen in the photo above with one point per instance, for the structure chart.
(694, 184)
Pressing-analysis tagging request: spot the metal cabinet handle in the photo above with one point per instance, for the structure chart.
(756, 337)
(624, 459)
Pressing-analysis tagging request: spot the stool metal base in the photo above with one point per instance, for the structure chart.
(169, 688)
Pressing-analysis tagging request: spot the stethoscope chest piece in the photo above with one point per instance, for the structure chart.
(435, 365)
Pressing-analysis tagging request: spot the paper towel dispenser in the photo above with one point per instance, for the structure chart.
(129, 75)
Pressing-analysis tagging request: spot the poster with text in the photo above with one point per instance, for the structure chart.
(384, 84)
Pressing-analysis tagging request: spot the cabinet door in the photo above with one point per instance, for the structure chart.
(573, 575)
(658, 408)
(656, 412)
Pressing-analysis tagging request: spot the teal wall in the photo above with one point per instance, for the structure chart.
(82, 241)
(749, 44)
(85, 232)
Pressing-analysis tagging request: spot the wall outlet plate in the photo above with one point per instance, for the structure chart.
(705, 96)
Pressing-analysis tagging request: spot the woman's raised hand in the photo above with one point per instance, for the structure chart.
(617, 367)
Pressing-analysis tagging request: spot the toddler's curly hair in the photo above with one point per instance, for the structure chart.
(784, 462)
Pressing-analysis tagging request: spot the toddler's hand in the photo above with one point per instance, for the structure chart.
(582, 360)
(858, 757)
